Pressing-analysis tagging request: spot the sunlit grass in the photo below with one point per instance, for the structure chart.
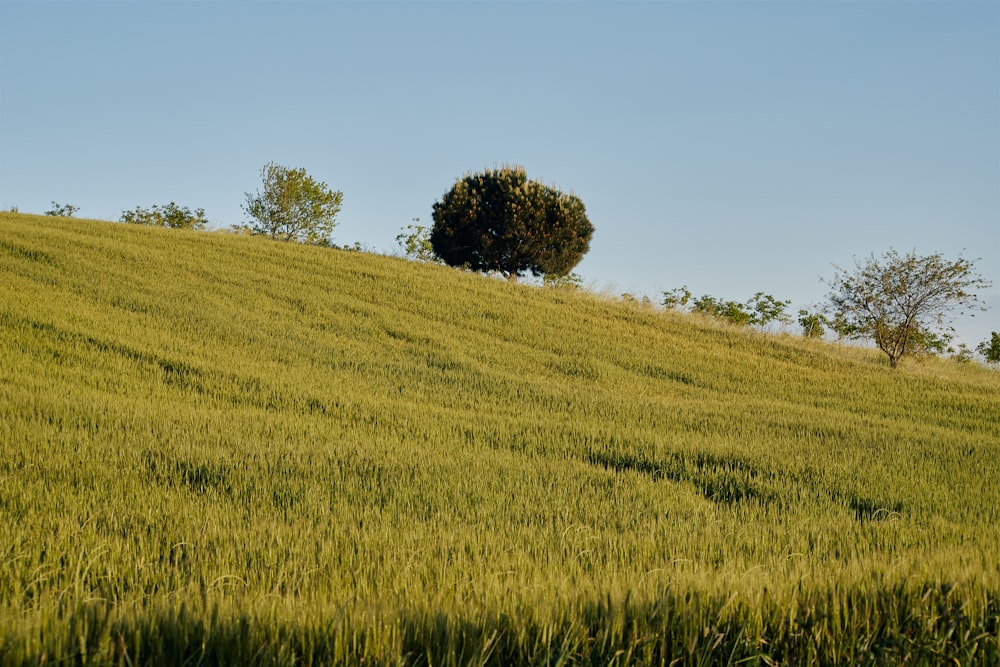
(226, 450)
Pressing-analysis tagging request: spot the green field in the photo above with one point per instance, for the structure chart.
(218, 449)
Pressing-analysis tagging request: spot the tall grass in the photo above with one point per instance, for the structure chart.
(226, 450)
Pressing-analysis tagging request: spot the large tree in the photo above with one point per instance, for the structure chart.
(292, 206)
(500, 221)
(903, 302)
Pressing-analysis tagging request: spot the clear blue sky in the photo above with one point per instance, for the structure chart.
(729, 146)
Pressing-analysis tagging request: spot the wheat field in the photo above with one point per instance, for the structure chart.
(218, 449)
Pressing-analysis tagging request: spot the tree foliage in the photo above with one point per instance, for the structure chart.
(498, 220)
(169, 215)
(761, 309)
(292, 206)
(731, 311)
(570, 281)
(813, 323)
(765, 309)
(415, 240)
(902, 302)
(677, 299)
(990, 349)
(62, 210)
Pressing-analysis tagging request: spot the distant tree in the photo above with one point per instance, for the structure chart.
(731, 311)
(62, 210)
(902, 302)
(765, 309)
(676, 299)
(357, 246)
(169, 215)
(568, 281)
(760, 310)
(813, 323)
(415, 240)
(500, 221)
(963, 354)
(990, 349)
(292, 207)
(633, 300)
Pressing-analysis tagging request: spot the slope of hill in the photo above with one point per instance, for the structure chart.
(224, 450)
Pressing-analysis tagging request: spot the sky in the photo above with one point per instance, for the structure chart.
(733, 147)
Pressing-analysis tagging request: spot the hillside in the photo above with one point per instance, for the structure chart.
(224, 450)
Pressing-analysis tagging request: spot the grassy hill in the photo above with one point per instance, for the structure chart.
(225, 450)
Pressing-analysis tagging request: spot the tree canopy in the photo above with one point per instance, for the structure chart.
(498, 220)
(292, 206)
(902, 302)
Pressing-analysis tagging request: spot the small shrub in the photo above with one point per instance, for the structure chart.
(61, 210)
(170, 215)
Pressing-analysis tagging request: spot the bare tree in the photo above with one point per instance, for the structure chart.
(903, 302)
